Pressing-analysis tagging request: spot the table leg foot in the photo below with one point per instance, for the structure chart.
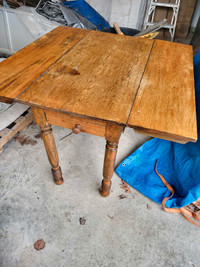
(57, 176)
(105, 188)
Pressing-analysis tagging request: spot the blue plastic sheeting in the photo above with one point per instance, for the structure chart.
(85, 10)
(178, 164)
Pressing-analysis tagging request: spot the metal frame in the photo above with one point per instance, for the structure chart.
(151, 14)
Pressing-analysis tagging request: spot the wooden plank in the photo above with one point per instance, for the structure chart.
(161, 13)
(98, 78)
(11, 114)
(165, 103)
(19, 125)
(160, 135)
(24, 67)
(184, 18)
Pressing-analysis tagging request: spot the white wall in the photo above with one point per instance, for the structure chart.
(102, 6)
(127, 13)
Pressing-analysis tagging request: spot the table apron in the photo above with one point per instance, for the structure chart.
(70, 121)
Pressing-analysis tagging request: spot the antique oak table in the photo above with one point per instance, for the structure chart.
(100, 83)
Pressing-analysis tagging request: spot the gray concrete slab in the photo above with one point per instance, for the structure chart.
(116, 233)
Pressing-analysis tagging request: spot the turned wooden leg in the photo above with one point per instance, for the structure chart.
(51, 150)
(109, 163)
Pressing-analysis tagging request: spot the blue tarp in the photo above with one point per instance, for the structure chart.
(178, 164)
(85, 10)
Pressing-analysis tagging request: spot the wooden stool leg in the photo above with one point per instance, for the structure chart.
(51, 150)
(109, 163)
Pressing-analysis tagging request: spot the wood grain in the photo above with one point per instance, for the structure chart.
(165, 103)
(49, 143)
(24, 67)
(19, 125)
(70, 121)
(113, 133)
(11, 114)
(109, 163)
(98, 78)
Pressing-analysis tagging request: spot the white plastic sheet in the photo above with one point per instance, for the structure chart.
(20, 27)
(127, 13)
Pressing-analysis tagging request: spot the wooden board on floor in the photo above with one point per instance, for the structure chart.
(11, 114)
(165, 103)
(18, 125)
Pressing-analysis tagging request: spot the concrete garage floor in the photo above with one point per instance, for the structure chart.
(117, 232)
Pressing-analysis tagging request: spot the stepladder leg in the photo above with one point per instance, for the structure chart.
(113, 133)
(49, 142)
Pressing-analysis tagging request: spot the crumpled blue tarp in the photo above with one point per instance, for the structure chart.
(178, 164)
(85, 10)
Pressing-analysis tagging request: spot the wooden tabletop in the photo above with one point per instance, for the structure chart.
(140, 83)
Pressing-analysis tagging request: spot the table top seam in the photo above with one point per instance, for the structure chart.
(140, 82)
